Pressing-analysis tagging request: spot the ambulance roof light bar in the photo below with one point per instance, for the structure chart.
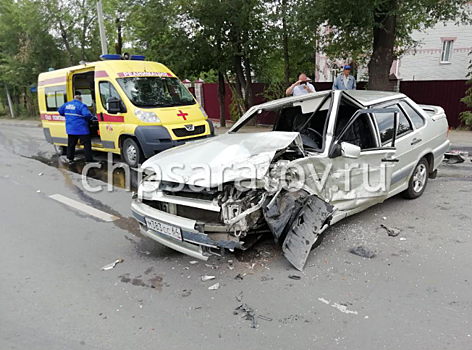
(108, 57)
(125, 56)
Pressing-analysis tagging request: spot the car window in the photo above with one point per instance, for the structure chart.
(360, 133)
(417, 120)
(55, 97)
(385, 123)
(107, 90)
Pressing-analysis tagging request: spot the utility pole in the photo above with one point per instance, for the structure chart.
(10, 102)
(103, 38)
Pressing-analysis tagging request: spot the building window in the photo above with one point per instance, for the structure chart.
(446, 51)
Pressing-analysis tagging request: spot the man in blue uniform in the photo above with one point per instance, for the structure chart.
(345, 81)
(77, 120)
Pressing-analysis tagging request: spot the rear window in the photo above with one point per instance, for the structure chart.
(417, 120)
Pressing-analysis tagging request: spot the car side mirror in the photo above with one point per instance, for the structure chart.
(348, 150)
(115, 105)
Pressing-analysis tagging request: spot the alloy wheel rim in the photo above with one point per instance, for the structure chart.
(419, 178)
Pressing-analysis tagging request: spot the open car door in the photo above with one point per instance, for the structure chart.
(361, 167)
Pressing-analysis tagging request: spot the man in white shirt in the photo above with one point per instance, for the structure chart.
(301, 87)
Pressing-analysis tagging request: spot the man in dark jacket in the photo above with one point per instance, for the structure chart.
(77, 126)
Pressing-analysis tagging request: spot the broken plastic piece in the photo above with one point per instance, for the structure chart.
(362, 251)
(265, 318)
(207, 278)
(112, 265)
(214, 287)
(239, 277)
(456, 156)
(403, 239)
(193, 262)
(392, 232)
(294, 277)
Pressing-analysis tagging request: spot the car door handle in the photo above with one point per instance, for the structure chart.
(101, 116)
(415, 141)
(390, 160)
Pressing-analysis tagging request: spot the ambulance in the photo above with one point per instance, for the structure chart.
(141, 107)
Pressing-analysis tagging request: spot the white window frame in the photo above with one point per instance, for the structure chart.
(446, 52)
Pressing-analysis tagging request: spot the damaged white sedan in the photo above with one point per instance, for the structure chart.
(291, 167)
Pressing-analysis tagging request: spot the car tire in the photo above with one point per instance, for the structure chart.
(60, 150)
(132, 153)
(418, 180)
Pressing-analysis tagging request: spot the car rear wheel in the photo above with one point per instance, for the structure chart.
(132, 153)
(418, 180)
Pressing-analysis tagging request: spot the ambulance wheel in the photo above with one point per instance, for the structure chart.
(60, 150)
(132, 153)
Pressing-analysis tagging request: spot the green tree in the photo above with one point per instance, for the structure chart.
(466, 116)
(26, 49)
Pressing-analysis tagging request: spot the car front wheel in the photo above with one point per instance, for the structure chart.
(418, 180)
(132, 153)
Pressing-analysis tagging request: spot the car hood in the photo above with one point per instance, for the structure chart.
(224, 158)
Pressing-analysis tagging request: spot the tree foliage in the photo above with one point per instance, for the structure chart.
(233, 42)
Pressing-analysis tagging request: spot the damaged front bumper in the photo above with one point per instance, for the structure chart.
(194, 243)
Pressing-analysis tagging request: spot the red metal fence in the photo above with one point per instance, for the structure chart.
(446, 94)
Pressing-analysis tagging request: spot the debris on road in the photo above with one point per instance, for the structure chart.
(193, 262)
(112, 265)
(239, 277)
(392, 232)
(362, 251)
(40, 174)
(248, 313)
(455, 157)
(265, 318)
(403, 239)
(214, 287)
(294, 277)
(240, 297)
(207, 278)
(38, 191)
(341, 307)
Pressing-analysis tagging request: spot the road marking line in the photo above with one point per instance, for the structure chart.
(85, 208)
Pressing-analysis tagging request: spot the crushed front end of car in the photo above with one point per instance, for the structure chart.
(237, 197)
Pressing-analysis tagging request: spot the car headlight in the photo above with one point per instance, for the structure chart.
(148, 117)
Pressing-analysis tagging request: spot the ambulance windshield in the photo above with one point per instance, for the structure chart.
(156, 92)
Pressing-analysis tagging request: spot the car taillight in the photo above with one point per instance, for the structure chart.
(448, 131)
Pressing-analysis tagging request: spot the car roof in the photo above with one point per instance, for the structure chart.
(371, 97)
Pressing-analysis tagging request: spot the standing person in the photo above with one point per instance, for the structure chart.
(301, 87)
(77, 120)
(345, 81)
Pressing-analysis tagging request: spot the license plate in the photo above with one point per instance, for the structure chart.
(168, 230)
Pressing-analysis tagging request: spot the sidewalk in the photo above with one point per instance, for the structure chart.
(21, 123)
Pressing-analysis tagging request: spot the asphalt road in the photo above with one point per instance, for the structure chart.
(416, 293)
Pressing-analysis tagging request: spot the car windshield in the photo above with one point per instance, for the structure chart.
(156, 92)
